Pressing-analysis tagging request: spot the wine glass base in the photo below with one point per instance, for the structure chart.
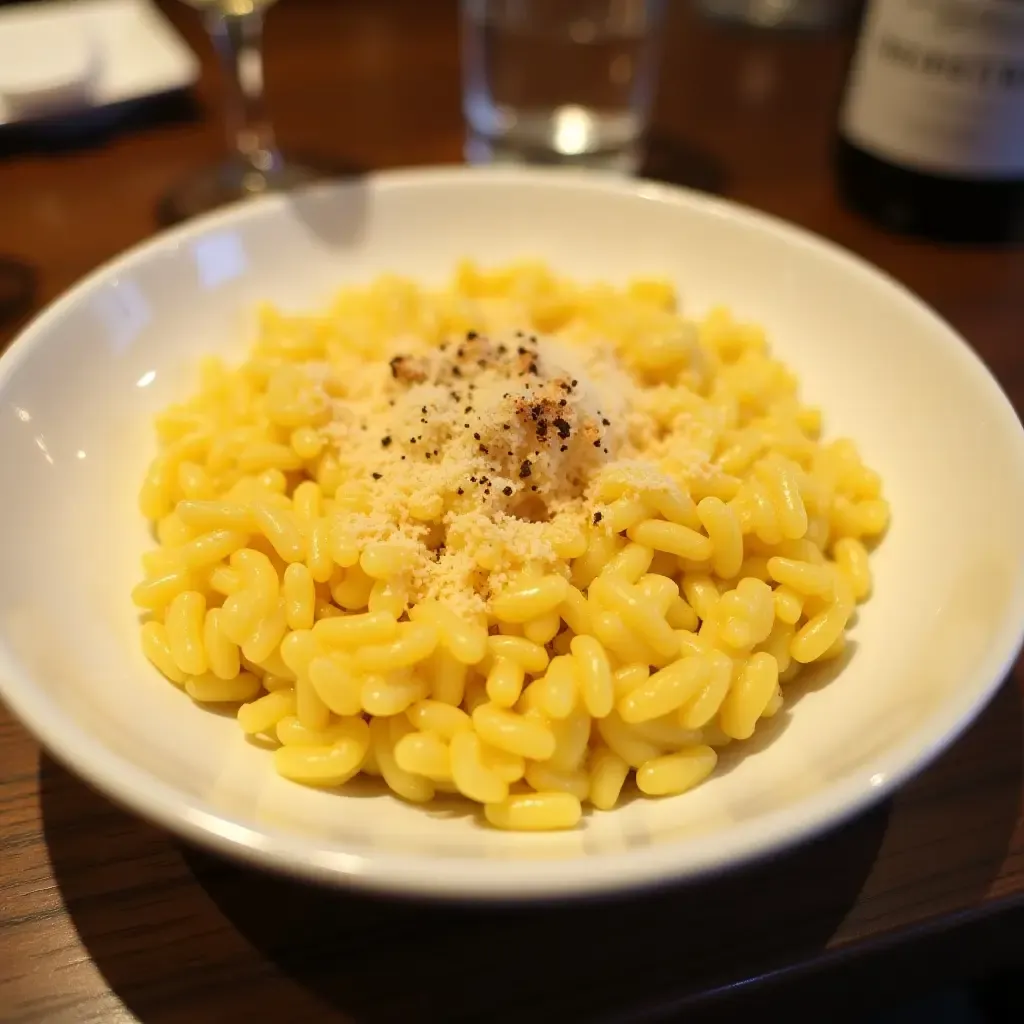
(230, 182)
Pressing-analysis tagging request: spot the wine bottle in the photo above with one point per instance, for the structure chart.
(931, 130)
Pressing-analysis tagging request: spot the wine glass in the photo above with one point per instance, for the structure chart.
(255, 165)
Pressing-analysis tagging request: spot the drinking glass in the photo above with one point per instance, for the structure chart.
(797, 14)
(255, 165)
(559, 81)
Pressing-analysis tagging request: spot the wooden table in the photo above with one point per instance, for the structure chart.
(105, 918)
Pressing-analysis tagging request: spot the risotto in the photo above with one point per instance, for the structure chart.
(521, 539)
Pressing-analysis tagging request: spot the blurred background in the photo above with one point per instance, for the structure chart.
(160, 110)
(176, 106)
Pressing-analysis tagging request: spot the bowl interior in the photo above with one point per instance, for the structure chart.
(78, 391)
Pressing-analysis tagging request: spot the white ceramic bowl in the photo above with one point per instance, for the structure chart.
(77, 391)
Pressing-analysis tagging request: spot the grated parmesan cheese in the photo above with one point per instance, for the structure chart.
(507, 430)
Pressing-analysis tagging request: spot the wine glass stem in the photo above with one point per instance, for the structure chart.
(238, 39)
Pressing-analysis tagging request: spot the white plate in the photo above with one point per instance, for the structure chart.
(78, 388)
(87, 53)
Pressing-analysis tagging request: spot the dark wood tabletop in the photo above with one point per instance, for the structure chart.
(103, 917)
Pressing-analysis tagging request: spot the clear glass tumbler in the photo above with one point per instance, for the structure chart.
(255, 164)
(795, 14)
(559, 81)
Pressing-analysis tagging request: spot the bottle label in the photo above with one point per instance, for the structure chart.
(938, 86)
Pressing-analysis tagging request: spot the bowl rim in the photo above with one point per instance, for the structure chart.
(453, 878)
